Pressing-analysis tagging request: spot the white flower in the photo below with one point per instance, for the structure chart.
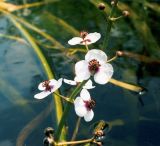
(85, 39)
(94, 64)
(48, 87)
(74, 82)
(84, 105)
(70, 82)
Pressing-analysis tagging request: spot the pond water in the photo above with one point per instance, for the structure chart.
(135, 118)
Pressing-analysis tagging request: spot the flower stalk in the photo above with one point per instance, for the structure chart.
(109, 25)
(113, 58)
(86, 46)
(76, 129)
(74, 142)
(64, 98)
(67, 109)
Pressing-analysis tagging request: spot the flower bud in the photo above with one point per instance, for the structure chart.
(114, 2)
(101, 6)
(119, 53)
(125, 13)
(49, 131)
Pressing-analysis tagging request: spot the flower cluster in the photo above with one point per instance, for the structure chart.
(94, 65)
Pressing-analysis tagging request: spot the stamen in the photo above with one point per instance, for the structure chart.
(94, 66)
(83, 34)
(47, 86)
(85, 40)
(90, 104)
(99, 134)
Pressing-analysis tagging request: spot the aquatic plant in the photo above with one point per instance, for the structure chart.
(96, 65)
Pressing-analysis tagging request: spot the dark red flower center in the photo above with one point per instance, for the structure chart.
(90, 104)
(93, 66)
(85, 41)
(83, 34)
(47, 86)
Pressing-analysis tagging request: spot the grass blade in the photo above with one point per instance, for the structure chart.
(48, 71)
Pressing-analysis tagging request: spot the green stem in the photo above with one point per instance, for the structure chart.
(64, 98)
(86, 47)
(74, 142)
(48, 71)
(76, 129)
(113, 58)
(67, 109)
(109, 26)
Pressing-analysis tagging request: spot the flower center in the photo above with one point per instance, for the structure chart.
(47, 86)
(93, 66)
(85, 41)
(90, 104)
(83, 34)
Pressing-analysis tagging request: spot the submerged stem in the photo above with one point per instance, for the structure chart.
(67, 109)
(74, 142)
(76, 129)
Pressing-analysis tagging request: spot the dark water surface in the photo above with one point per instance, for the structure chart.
(24, 118)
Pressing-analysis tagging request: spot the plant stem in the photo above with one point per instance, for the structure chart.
(47, 69)
(76, 129)
(126, 85)
(109, 26)
(67, 109)
(74, 142)
(86, 47)
(113, 58)
(63, 97)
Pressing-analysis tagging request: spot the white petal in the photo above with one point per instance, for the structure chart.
(93, 37)
(80, 111)
(75, 41)
(80, 108)
(88, 85)
(104, 75)
(78, 79)
(59, 84)
(96, 54)
(52, 82)
(56, 84)
(108, 69)
(89, 116)
(41, 87)
(70, 82)
(78, 102)
(85, 95)
(81, 70)
(42, 95)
